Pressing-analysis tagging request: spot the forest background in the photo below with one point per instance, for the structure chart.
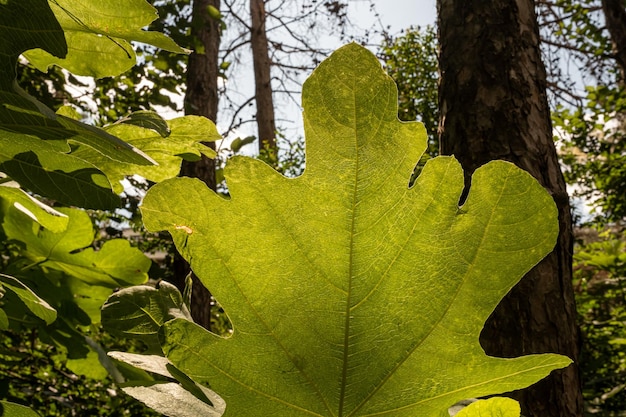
(280, 42)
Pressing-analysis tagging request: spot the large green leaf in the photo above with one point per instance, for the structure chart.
(350, 293)
(43, 168)
(98, 35)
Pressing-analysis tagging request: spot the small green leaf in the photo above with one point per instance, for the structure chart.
(147, 120)
(8, 409)
(43, 214)
(238, 143)
(140, 311)
(88, 366)
(4, 320)
(183, 142)
(69, 112)
(214, 12)
(493, 407)
(38, 306)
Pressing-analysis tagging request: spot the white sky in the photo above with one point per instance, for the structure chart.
(399, 14)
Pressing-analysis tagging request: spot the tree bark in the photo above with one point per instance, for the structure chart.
(493, 105)
(265, 119)
(201, 99)
(615, 17)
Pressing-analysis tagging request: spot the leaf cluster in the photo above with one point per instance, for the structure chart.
(55, 274)
(599, 271)
(33, 373)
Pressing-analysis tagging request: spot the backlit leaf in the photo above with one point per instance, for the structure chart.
(32, 301)
(98, 36)
(70, 253)
(140, 311)
(493, 407)
(350, 293)
(43, 214)
(182, 142)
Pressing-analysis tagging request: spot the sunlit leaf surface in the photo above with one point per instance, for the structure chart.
(350, 293)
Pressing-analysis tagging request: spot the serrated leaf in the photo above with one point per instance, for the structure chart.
(140, 311)
(493, 407)
(98, 36)
(70, 253)
(350, 293)
(35, 304)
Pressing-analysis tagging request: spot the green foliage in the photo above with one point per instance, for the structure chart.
(600, 271)
(574, 34)
(594, 150)
(98, 36)
(157, 76)
(61, 274)
(32, 373)
(360, 280)
(411, 60)
(55, 277)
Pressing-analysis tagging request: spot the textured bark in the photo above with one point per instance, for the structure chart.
(493, 106)
(201, 99)
(265, 119)
(615, 17)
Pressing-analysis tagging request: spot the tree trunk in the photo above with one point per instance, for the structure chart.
(615, 17)
(201, 99)
(265, 120)
(493, 106)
